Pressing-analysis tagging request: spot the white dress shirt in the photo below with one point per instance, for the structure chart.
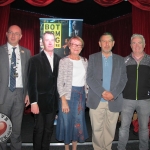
(19, 83)
(50, 59)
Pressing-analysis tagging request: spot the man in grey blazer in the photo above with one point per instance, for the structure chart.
(106, 77)
(13, 85)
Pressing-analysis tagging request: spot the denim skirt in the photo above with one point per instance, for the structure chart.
(72, 126)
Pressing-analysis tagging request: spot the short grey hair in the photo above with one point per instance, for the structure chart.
(138, 35)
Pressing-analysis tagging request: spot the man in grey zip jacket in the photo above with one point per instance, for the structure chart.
(136, 93)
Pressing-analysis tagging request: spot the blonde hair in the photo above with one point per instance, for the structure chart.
(76, 38)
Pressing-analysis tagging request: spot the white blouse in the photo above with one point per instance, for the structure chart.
(78, 73)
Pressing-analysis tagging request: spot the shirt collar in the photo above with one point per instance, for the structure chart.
(10, 46)
(48, 54)
(137, 59)
(109, 55)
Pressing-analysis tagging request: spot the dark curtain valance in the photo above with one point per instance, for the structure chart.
(141, 4)
(39, 3)
(72, 1)
(107, 3)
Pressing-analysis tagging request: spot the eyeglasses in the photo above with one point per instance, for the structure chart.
(75, 45)
(12, 33)
(110, 41)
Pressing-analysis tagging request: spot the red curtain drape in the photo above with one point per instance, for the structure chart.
(4, 17)
(5, 2)
(107, 3)
(121, 29)
(87, 35)
(30, 25)
(39, 3)
(141, 25)
(141, 4)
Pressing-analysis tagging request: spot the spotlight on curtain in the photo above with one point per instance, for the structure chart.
(39, 3)
(72, 1)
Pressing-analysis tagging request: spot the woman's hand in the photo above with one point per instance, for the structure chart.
(65, 107)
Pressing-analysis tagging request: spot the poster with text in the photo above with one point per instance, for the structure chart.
(63, 30)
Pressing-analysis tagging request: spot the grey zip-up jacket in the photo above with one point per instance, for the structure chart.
(64, 80)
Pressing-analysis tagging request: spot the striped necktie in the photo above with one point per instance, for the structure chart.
(13, 71)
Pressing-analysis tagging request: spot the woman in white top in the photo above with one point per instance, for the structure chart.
(72, 89)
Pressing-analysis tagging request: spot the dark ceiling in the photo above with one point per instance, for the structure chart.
(88, 10)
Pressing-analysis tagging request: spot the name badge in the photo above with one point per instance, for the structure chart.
(15, 75)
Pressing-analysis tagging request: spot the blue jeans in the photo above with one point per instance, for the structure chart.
(142, 108)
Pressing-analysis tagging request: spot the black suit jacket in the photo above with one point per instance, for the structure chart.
(42, 82)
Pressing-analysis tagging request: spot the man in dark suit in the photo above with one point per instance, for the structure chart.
(106, 77)
(13, 95)
(42, 81)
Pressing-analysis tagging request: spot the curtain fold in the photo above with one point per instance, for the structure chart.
(72, 1)
(39, 3)
(30, 25)
(4, 17)
(141, 4)
(5, 2)
(141, 25)
(121, 29)
(107, 3)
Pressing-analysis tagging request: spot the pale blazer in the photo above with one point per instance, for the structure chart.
(95, 81)
(4, 70)
(64, 81)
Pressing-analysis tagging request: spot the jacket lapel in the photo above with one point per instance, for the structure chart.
(46, 61)
(22, 56)
(6, 58)
(114, 63)
(100, 66)
(55, 61)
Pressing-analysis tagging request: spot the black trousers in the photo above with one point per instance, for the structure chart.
(43, 130)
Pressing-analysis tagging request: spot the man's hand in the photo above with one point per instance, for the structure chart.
(107, 96)
(26, 101)
(35, 108)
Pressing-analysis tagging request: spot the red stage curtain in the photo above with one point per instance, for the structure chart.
(141, 4)
(72, 1)
(39, 3)
(121, 29)
(5, 2)
(4, 17)
(141, 25)
(30, 25)
(107, 3)
(87, 35)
